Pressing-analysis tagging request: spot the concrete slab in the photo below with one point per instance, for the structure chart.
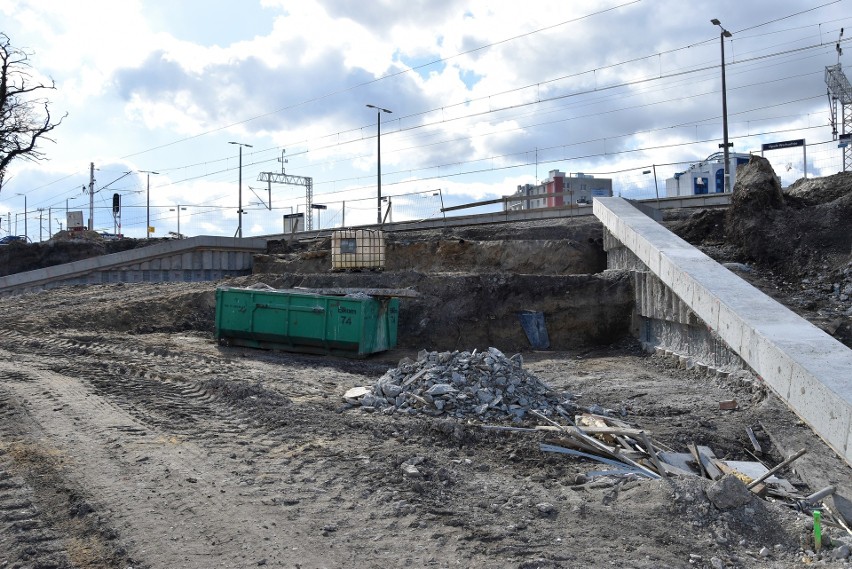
(806, 367)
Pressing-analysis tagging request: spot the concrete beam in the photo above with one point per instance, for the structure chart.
(806, 367)
(134, 260)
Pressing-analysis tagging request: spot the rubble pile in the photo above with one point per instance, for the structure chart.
(487, 386)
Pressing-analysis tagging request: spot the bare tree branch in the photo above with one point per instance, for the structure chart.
(23, 123)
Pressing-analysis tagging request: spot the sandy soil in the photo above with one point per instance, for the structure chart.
(163, 449)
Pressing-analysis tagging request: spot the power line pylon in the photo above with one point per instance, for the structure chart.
(840, 105)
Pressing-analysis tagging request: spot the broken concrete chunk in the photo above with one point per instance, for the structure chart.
(353, 395)
(546, 508)
(729, 492)
(441, 389)
(411, 471)
(391, 390)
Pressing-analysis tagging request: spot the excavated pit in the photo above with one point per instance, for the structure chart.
(473, 283)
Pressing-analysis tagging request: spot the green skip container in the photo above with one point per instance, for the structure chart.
(304, 322)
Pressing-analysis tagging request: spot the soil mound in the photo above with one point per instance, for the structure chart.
(63, 247)
(755, 203)
(816, 191)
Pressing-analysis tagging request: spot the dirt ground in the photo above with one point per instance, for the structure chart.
(164, 449)
(130, 438)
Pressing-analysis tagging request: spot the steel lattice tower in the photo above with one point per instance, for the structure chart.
(840, 105)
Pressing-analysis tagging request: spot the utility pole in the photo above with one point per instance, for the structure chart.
(379, 111)
(240, 190)
(91, 196)
(725, 144)
(148, 202)
(40, 224)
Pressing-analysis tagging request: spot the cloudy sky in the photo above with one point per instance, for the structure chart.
(486, 95)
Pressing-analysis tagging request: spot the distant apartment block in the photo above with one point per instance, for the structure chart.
(559, 190)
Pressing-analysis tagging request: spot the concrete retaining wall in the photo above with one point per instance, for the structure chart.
(808, 369)
(195, 259)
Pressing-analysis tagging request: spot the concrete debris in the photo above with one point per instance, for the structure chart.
(411, 471)
(841, 552)
(546, 509)
(483, 385)
(728, 493)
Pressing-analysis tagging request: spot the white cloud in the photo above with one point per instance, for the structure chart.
(169, 85)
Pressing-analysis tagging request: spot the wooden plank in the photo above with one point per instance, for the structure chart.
(672, 470)
(783, 464)
(754, 442)
(759, 489)
(651, 451)
(706, 455)
(696, 456)
(577, 433)
(679, 460)
(712, 470)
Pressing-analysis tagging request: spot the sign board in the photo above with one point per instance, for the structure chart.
(845, 137)
(785, 144)
(292, 221)
(152, 229)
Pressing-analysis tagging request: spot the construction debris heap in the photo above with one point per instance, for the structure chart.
(483, 385)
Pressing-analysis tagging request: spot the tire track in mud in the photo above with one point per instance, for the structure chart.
(45, 522)
(24, 534)
(183, 494)
(219, 413)
(218, 460)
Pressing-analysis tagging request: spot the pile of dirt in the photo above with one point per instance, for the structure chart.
(757, 202)
(64, 247)
(795, 245)
(558, 247)
(815, 191)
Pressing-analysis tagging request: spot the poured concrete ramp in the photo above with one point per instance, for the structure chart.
(807, 368)
(195, 259)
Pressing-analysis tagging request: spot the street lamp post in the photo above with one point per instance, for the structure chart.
(178, 209)
(148, 202)
(379, 111)
(724, 34)
(240, 192)
(25, 216)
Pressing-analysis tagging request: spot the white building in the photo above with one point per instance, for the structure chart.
(706, 177)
